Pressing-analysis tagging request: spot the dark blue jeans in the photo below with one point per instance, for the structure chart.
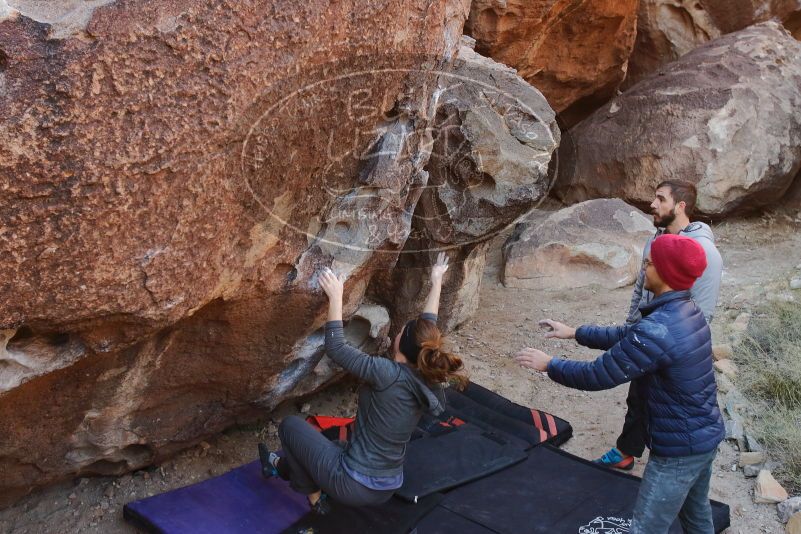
(671, 487)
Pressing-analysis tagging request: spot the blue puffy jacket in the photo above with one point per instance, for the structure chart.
(670, 351)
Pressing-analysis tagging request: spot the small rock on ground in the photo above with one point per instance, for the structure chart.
(752, 444)
(722, 352)
(767, 490)
(751, 458)
(750, 471)
(741, 322)
(727, 367)
(794, 524)
(788, 508)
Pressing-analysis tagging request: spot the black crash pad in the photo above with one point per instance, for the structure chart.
(552, 491)
(440, 462)
(480, 406)
(393, 517)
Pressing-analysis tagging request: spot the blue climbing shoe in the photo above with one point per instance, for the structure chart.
(268, 461)
(615, 458)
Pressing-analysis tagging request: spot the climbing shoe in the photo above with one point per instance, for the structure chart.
(269, 461)
(322, 506)
(615, 458)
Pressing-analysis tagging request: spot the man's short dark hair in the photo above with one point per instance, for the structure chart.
(682, 191)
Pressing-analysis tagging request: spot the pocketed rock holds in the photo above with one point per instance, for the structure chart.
(594, 242)
(767, 490)
(575, 52)
(162, 218)
(725, 117)
(788, 508)
(495, 136)
(668, 29)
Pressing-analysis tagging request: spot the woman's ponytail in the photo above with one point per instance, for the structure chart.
(435, 364)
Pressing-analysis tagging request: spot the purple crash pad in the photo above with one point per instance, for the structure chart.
(240, 501)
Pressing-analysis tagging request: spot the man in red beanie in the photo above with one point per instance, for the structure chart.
(673, 205)
(679, 261)
(669, 354)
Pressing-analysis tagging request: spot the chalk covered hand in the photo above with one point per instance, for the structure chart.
(439, 268)
(533, 359)
(331, 284)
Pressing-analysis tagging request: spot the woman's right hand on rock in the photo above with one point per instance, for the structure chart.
(439, 268)
(331, 284)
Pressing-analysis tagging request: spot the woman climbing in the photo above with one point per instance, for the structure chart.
(396, 392)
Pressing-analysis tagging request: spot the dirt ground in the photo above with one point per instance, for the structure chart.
(760, 256)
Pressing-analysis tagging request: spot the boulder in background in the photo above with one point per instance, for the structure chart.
(595, 242)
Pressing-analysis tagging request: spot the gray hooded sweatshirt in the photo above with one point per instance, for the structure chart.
(706, 289)
(391, 402)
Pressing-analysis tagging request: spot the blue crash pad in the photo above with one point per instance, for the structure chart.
(239, 501)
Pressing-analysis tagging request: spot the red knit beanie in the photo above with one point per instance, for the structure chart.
(679, 260)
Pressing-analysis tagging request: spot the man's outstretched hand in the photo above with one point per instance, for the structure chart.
(533, 359)
(558, 330)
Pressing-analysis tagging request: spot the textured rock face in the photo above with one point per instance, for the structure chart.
(594, 242)
(724, 116)
(495, 139)
(575, 52)
(173, 174)
(668, 29)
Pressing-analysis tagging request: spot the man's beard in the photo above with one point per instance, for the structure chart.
(664, 222)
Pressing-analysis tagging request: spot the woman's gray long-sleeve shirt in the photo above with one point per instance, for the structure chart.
(391, 402)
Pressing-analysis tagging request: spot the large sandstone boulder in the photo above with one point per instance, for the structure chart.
(495, 138)
(597, 242)
(173, 175)
(725, 117)
(574, 51)
(668, 29)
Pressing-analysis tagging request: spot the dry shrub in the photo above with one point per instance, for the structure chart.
(769, 362)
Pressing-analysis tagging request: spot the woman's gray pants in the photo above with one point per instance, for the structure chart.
(315, 464)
